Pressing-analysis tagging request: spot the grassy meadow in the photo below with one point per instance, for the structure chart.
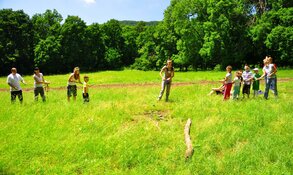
(125, 130)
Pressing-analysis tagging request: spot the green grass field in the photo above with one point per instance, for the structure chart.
(124, 130)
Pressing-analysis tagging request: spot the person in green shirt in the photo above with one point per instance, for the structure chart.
(255, 84)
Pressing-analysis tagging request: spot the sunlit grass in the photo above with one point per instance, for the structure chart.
(124, 130)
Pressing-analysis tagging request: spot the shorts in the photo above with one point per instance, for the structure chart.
(71, 90)
(85, 97)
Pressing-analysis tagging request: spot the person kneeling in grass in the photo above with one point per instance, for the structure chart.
(166, 79)
(217, 91)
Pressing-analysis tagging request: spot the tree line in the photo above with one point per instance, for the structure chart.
(197, 34)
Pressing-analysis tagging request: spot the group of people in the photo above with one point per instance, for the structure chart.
(247, 78)
(14, 79)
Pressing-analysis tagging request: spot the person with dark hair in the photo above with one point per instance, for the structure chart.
(39, 81)
(247, 79)
(13, 80)
(166, 79)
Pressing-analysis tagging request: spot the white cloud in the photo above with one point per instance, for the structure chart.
(90, 1)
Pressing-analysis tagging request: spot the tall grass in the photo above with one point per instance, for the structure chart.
(124, 130)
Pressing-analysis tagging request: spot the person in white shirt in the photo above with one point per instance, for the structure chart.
(38, 84)
(13, 80)
(269, 72)
(247, 79)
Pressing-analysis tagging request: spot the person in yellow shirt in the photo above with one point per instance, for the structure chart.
(85, 91)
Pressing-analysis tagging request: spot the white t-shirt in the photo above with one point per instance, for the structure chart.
(246, 76)
(268, 69)
(38, 79)
(14, 81)
(229, 78)
(237, 81)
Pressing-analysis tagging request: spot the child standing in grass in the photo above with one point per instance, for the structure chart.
(228, 83)
(85, 91)
(237, 83)
(255, 83)
(71, 86)
(247, 78)
(166, 79)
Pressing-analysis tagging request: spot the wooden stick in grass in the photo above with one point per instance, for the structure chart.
(189, 150)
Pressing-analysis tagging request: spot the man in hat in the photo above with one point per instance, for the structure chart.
(255, 84)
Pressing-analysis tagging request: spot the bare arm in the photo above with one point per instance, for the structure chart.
(79, 80)
(263, 75)
(274, 71)
(161, 75)
(13, 87)
(22, 80)
(70, 78)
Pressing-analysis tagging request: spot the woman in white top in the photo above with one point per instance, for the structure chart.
(71, 85)
(269, 72)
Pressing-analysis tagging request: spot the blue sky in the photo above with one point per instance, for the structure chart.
(91, 11)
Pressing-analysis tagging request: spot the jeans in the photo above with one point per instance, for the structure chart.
(164, 84)
(271, 82)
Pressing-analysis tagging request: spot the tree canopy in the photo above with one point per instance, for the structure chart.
(196, 34)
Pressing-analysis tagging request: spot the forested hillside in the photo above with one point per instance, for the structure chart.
(197, 34)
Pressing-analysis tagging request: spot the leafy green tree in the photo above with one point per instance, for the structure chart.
(47, 47)
(114, 43)
(47, 55)
(272, 34)
(95, 48)
(46, 24)
(73, 43)
(16, 46)
(130, 51)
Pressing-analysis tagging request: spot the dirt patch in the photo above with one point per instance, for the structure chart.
(157, 115)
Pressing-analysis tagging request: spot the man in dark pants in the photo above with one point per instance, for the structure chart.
(13, 80)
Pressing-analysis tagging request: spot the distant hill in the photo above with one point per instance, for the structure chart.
(133, 23)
